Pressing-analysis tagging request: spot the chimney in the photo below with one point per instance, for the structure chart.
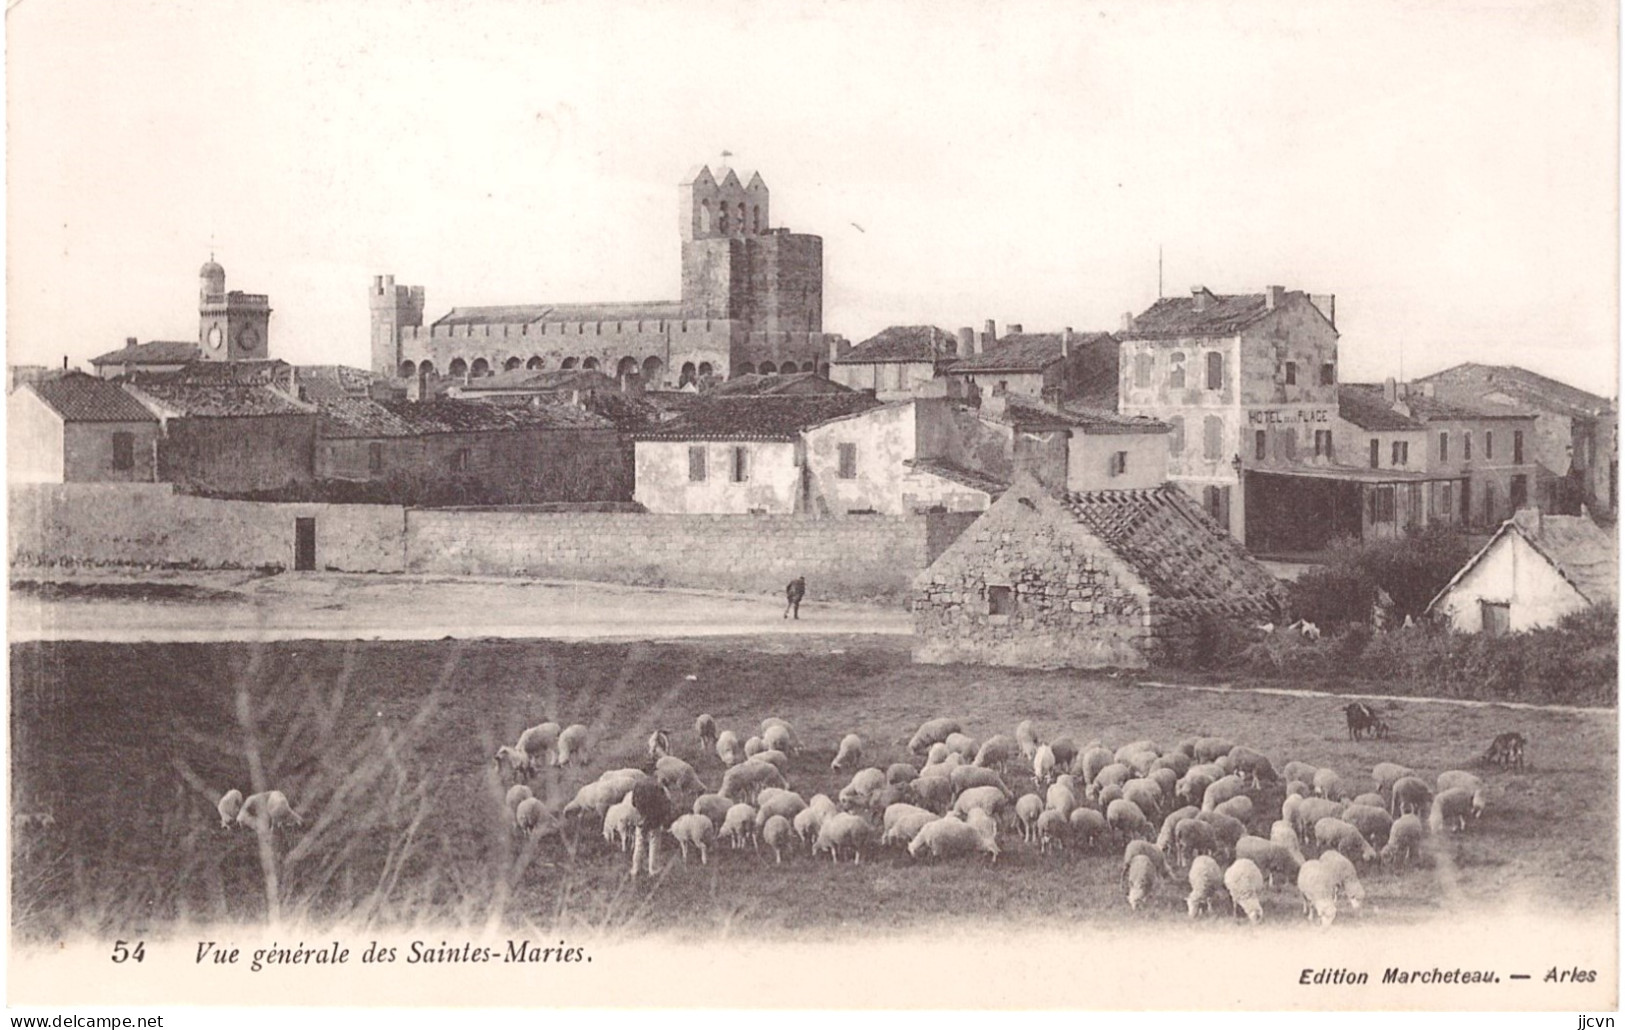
(1066, 342)
(967, 341)
(1128, 322)
(1273, 296)
(987, 338)
(838, 347)
(64, 362)
(1528, 519)
(129, 341)
(1013, 329)
(1199, 298)
(1390, 392)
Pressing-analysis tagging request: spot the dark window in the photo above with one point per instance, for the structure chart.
(1467, 447)
(849, 461)
(696, 464)
(1517, 447)
(1489, 445)
(1376, 453)
(1292, 373)
(1000, 600)
(1260, 444)
(1142, 369)
(1212, 437)
(1444, 446)
(1401, 453)
(1216, 499)
(1496, 617)
(1215, 370)
(1323, 443)
(1520, 492)
(1176, 439)
(1176, 371)
(1328, 374)
(124, 450)
(739, 470)
(375, 457)
(1289, 443)
(1446, 497)
(1380, 504)
(459, 460)
(1489, 503)
(1119, 463)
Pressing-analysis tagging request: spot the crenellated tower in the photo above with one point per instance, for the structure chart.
(232, 326)
(736, 266)
(393, 308)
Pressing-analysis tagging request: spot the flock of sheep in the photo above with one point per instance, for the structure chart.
(1198, 808)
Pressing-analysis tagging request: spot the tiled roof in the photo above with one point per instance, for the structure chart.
(322, 382)
(523, 314)
(1172, 545)
(1531, 388)
(759, 418)
(902, 343)
(989, 485)
(1581, 551)
(1026, 413)
(153, 352)
(1172, 317)
(225, 400)
(794, 384)
(359, 418)
(1365, 407)
(1033, 352)
(540, 380)
(81, 398)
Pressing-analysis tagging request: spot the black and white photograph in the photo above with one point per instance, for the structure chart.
(889, 505)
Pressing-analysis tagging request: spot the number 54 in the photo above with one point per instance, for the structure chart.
(122, 952)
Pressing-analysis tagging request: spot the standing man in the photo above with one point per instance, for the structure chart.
(793, 595)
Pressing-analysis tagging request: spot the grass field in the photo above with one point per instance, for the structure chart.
(386, 749)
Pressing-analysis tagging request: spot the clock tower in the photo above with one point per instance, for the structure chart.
(231, 326)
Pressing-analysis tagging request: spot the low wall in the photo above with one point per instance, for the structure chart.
(850, 558)
(150, 524)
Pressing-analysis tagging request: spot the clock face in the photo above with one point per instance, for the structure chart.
(215, 336)
(248, 339)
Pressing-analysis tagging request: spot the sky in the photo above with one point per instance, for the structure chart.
(1448, 170)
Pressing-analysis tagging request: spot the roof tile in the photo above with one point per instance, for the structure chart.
(781, 417)
(903, 343)
(82, 398)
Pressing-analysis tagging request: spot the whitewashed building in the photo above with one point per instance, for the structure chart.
(1535, 570)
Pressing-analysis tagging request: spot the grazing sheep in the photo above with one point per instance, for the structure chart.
(1088, 827)
(1310, 811)
(511, 761)
(1455, 778)
(533, 819)
(1227, 829)
(705, 728)
(739, 825)
(991, 800)
(1028, 809)
(850, 753)
(1177, 762)
(995, 751)
(1192, 787)
(1410, 794)
(713, 806)
(948, 837)
(1244, 883)
(1114, 775)
(978, 820)
(728, 749)
(807, 823)
(1371, 798)
(231, 802)
(1133, 747)
(843, 830)
(964, 777)
(268, 811)
(1404, 841)
(753, 747)
(932, 731)
(1328, 784)
(1043, 764)
(1207, 880)
(1059, 798)
(1301, 771)
(1345, 881)
(1159, 860)
(778, 802)
(934, 792)
(572, 746)
(1208, 749)
(936, 754)
(1372, 821)
(779, 737)
(865, 783)
(1166, 780)
(539, 743)
(747, 779)
(1065, 751)
(620, 822)
(1253, 765)
(1052, 829)
(905, 824)
(1451, 809)
(776, 835)
(1283, 834)
(1126, 818)
(1318, 888)
(1026, 739)
(675, 774)
(516, 793)
(1239, 807)
(1142, 880)
(1222, 789)
(774, 757)
(1193, 837)
(1090, 763)
(1385, 774)
(1268, 856)
(1109, 793)
(962, 745)
(595, 798)
(1165, 837)
(900, 774)
(694, 830)
(1336, 835)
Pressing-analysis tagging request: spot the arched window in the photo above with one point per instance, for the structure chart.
(755, 218)
(705, 368)
(768, 369)
(627, 366)
(535, 363)
(722, 218)
(481, 367)
(807, 366)
(741, 216)
(459, 367)
(589, 363)
(1215, 370)
(407, 370)
(427, 368)
(568, 363)
(686, 374)
(1176, 438)
(745, 369)
(705, 216)
(651, 370)
(1176, 370)
(510, 364)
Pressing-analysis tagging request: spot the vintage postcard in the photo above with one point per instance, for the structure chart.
(940, 506)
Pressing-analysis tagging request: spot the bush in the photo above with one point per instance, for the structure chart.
(1411, 570)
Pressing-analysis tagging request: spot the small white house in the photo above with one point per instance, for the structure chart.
(1535, 570)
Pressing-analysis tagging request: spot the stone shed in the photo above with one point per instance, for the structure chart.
(1084, 580)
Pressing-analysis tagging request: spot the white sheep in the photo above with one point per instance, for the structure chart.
(1026, 739)
(947, 837)
(807, 823)
(1296, 770)
(1373, 822)
(728, 749)
(1044, 764)
(1404, 840)
(850, 754)
(1455, 779)
(995, 751)
(516, 793)
(753, 747)
(1317, 885)
(1060, 798)
(748, 778)
(1226, 829)
(1244, 883)
(705, 728)
(1385, 774)
(772, 802)
(1451, 809)
(1328, 784)
(694, 830)
(539, 743)
(991, 800)
(932, 731)
(900, 774)
(1192, 838)
(774, 757)
(934, 792)
(572, 746)
(1344, 878)
(903, 823)
(1146, 794)
(1310, 811)
(1052, 828)
(231, 802)
(1206, 880)
(512, 761)
(620, 822)
(1268, 856)
(779, 737)
(1238, 807)
(1222, 789)
(1165, 836)
(863, 786)
(1088, 827)
(713, 806)
(1283, 834)
(739, 825)
(978, 820)
(676, 775)
(1371, 799)
(268, 811)
(1089, 764)
(1338, 835)
(1142, 880)
(843, 830)
(1028, 807)
(962, 745)
(776, 834)
(1126, 818)
(533, 819)
(1409, 794)
(964, 777)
